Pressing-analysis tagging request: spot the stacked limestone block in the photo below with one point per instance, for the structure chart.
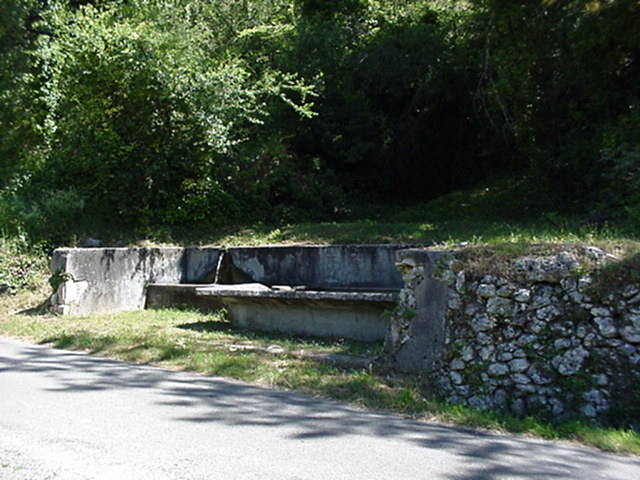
(538, 338)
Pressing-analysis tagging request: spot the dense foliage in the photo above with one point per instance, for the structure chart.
(145, 113)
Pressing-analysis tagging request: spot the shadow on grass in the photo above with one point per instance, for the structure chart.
(82, 340)
(336, 345)
(37, 311)
(210, 326)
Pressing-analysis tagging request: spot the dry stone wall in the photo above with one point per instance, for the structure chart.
(536, 337)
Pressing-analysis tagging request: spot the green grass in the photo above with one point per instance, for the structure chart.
(440, 231)
(497, 212)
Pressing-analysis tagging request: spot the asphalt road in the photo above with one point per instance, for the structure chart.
(71, 416)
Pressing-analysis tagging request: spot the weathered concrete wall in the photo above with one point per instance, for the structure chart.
(98, 280)
(417, 330)
(113, 279)
(534, 338)
(321, 267)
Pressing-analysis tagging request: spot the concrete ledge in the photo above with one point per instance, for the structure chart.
(355, 315)
(171, 295)
(247, 291)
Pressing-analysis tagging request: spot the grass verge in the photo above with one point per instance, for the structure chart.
(206, 343)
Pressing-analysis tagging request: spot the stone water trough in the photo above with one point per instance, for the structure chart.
(340, 291)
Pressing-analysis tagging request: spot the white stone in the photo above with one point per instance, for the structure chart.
(486, 290)
(520, 319)
(526, 339)
(548, 313)
(629, 291)
(500, 397)
(480, 403)
(521, 378)
(584, 282)
(481, 322)
(486, 352)
(570, 362)
(455, 377)
(463, 390)
(589, 410)
(589, 340)
(576, 297)
(518, 365)
(498, 369)
(457, 364)
(600, 312)
(581, 331)
(500, 307)
(630, 334)
(526, 387)
(466, 353)
(454, 302)
(71, 291)
(519, 353)
(523, 295)
(561, 343)
(627, 349)
(606, 327)
(557, 407)
(541, 300)
(538, 378)
(635, 299)
(545, 269)
(505, 357)
(461, 280)
(560, 329)
(472, 309)
(569, 284)
(634, 320)
(509, 332)
(596, 253)
(506, 291)
(536, 326)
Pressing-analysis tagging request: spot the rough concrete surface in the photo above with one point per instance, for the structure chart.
(321, 266)
(100, 280)
(73, 416)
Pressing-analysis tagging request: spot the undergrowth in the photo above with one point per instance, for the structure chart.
(21, 266)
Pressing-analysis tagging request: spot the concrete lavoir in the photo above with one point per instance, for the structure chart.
(337, 291)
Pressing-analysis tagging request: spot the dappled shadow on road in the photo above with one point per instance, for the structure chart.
(201, 399)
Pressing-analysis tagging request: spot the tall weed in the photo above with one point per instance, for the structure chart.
(21, 267)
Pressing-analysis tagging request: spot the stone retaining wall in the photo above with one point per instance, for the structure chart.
(535, 337)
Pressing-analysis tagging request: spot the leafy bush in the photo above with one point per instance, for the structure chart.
(145, 109)
(145, 113)
(20, 267)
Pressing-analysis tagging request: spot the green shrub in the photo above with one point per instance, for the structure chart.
(20, 266)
